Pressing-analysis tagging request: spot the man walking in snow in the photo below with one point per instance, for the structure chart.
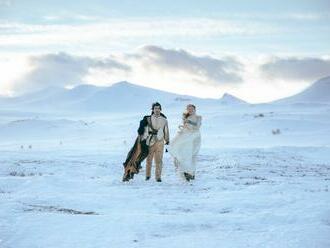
(154, 130)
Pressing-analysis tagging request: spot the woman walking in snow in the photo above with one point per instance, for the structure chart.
(186, 144)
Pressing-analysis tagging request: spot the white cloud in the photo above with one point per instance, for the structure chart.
(307, 16)
(255, 80)
(167, 69)
(204, 69)
(299, 16)
(296, 69)
(60, 70)
(22, 34)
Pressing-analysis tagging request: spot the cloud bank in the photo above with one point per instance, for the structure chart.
(61, 70)
(203, 68)
(146, 64)
(175, 70)
(296, 69)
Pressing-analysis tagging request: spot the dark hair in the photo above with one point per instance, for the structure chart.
(155, 104)
(186, 114)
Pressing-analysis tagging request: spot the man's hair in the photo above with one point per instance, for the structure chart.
(156, 104)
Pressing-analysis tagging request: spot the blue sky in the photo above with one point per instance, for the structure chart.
(257, 50)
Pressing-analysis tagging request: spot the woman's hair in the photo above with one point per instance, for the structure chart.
(186, 113)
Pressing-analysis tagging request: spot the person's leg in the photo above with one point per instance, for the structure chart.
(159, 151)
(149, 161)
(176, 164)
(194, 161)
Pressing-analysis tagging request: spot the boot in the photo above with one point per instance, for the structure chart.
(187, 176)
(147, 178)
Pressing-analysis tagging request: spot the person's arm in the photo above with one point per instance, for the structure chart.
(166, 134)
(196, 124)
(143, 124)
(199, 121)
(185, 121)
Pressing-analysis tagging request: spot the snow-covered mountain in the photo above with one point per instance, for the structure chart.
(118, 97)
(318, 92)
(125, 96)
(229, 99)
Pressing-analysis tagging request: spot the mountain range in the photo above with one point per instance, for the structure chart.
(124, 96)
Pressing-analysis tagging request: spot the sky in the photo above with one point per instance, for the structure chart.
(256, 50)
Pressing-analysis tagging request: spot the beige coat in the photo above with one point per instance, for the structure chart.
(160, 124)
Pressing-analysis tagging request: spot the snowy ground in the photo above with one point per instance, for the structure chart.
(253, 188)
(241, 198)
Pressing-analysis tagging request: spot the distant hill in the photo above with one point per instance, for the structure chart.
(231, 100)
(117, 97)
(318, 92)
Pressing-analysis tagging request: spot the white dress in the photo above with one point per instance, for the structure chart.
(186, 144)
